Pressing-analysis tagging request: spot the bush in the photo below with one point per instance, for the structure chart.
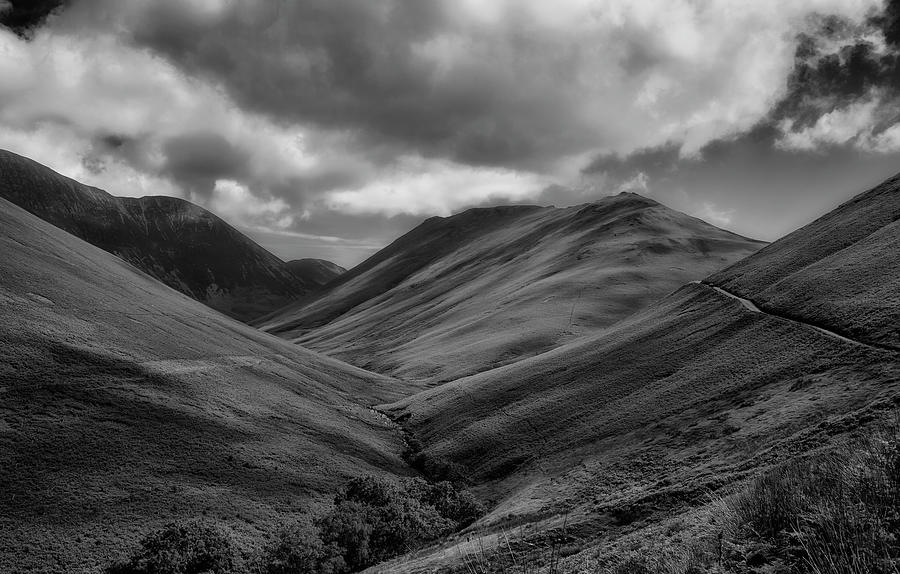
(375, 520)
(192, 547)
(451, 501)
(299, 550)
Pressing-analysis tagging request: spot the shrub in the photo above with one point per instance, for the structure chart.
(375, 520)
(192, 547)
(450, 500)
(299, 550)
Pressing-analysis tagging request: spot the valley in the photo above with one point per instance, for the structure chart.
(670, 364)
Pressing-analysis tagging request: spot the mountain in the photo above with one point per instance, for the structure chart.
(842, 272)
(488, 286)
(317, 271)
(778, 356)
(126, 405)
(179, 243)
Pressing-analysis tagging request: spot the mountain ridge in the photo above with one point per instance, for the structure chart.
(478, 289)
(178, 242)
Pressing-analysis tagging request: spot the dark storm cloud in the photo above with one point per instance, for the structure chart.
(23, 16)
(836, 64)
(657, 160)
(374, 68)
(334, 63)
(198, 160)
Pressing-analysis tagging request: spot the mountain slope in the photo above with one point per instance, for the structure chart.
(644, 421)
(125, 405)
(317, 271)
(179, 243)
(841, 272)
(489, 286)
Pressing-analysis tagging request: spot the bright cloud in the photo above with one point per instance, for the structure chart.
(434, 187)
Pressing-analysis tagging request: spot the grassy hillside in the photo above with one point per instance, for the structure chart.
(489, 286)
(643, 424)
(127, 404)
(841, 272)
(179, 243)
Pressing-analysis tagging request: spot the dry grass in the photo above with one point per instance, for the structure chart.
(514, 553)
(833, 514)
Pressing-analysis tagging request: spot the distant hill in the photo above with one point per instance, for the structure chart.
(318, 271)
(489, 286)
(126, 405)
(179, 243)
(772, 359)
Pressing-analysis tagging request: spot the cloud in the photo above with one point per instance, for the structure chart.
(517, 84)
(119, 107)
(349, 113)
(24, 17)
(637, 184)
(420, 186)
(710, 212)
(839, 91)
(237, 204)
(855, 124)
(843, 90)
(199, 160)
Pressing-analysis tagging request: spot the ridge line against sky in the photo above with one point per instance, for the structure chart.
(327, 128)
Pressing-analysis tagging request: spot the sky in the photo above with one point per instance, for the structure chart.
(327, 128)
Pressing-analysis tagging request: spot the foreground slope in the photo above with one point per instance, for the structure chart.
(179, 243)
(126, 404)
(486, 287)
(643, 421)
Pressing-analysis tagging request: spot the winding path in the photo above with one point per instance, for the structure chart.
(751, 306)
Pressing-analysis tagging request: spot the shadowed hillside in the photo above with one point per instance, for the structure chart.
(639, 424)
(489, 286)
(318, 271)
(126, 404)
(179, 243)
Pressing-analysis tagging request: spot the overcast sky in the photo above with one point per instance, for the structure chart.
(328, 127)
